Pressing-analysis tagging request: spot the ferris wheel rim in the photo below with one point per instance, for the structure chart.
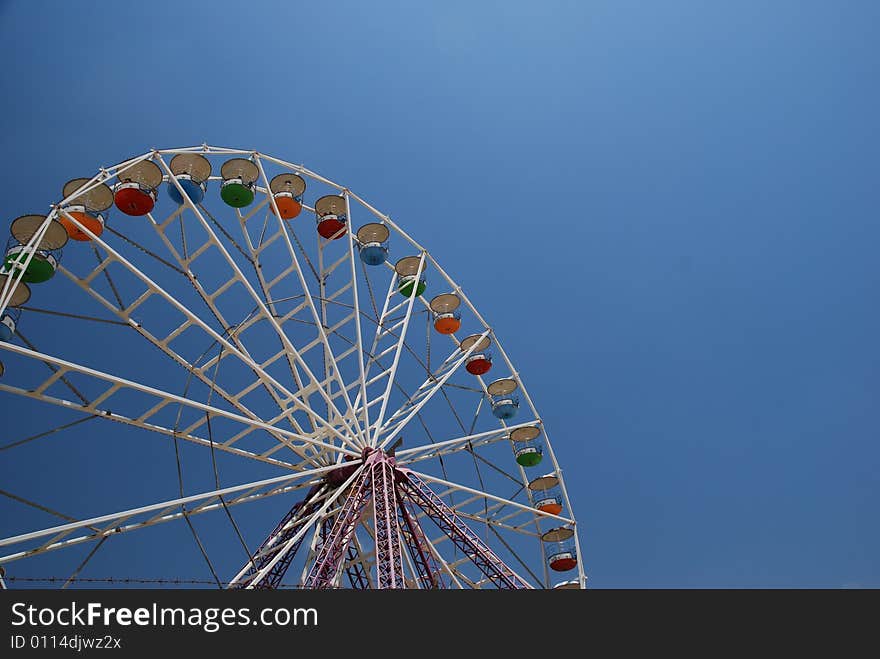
(425, 259)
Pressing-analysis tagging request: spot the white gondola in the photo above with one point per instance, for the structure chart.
(526, 447)
(504, 404)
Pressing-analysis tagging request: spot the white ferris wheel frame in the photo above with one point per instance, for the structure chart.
(346, 432)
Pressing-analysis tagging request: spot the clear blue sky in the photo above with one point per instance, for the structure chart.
(668, 210)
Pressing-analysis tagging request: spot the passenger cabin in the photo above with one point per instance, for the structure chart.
(447, 320)
(561, 553)
(8, 323)
(191, 172)
(331, 215)
(239, 182)
(504, 404)
(526, 447)
(373, 243)
(287, 191)
(546, 493)
(479, 361)
(410, 277)
(85, 203)
(136, 190)
(39, 261)
(20, 295)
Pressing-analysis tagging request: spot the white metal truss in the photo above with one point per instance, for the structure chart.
(157, 513)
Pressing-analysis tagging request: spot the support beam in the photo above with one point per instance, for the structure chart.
(326, 567)
(165, 511)
(457, 531)
(389, 555)
(429, 574)
(275, 542)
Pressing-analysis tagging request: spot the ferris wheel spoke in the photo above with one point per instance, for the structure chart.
(305, 391)
(406, 456)
(448, 520)
(408, 562)
(494, 467)
(318, 515)
(12, 282)
(158, 513)
(359, 567)
(397, 352)
(427, 389)
(319, 533)
(192, 320)
(484, 517)
(454, 567)
(334, 330)
(276, 545)
(499, 515)
(424, 568)
(362, 398)
(450, 570)
(272, 305)
(359, 347)
(320, 321)
(473, 583)
(256, 298)
(106, 414)
(159, 398)
(199, 373)
(519, 559)
(209, 300)
(494, 529)
(494, 498)
(424, 394)
(332, 361)
(359, 562)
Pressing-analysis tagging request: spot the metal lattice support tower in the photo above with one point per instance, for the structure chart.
(286, 529)
(389, 554)
(354, 569)
(429, 574)
(326, 566)
(466, 540)
(357, 575)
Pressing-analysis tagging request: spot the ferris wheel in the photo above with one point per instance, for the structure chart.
(265, 320)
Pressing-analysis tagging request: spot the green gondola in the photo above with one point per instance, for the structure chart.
(40, 269)
(529, 457)
(408, 284)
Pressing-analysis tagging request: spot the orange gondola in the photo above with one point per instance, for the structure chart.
(84, 208)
